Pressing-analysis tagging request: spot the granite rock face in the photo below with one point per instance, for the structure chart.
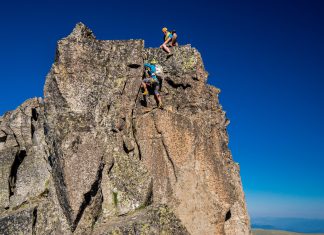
(96, 157)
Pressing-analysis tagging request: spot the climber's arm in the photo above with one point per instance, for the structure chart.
(165, 42)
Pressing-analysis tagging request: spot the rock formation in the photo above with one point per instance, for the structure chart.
(95, 157)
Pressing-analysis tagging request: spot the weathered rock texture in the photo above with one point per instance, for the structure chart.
(95, 157)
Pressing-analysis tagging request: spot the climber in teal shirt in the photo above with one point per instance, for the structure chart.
(170, 40)
(152, 81)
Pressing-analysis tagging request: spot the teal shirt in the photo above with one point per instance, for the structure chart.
(169, 35)
(151, 70)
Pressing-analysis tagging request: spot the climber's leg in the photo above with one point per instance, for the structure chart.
(164, 46)
(145, 92)
(158, 96)
(174, 41)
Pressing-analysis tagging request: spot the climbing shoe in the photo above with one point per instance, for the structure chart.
(169, 55)
(160, 105)
(145, 92)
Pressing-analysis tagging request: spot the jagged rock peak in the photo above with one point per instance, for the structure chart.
(97, 157)
(81, 31)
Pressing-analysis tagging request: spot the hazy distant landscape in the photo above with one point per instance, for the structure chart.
(295, 225)
(277, 232)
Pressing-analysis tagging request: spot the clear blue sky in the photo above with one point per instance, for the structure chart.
(266, 56)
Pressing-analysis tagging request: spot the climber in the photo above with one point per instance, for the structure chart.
(170, 40)
(152, 81)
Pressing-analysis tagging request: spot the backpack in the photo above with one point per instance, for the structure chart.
(159, 70)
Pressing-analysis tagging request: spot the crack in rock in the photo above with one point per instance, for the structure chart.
(3, 137)
(177, 85)
(170, 159)
(165, 148)
(96, 186)
(34, 221)
(134, 127)
(19, 158)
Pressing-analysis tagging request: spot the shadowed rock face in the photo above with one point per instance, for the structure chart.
(97, 157)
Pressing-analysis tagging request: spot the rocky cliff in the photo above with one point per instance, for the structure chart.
(96, 157)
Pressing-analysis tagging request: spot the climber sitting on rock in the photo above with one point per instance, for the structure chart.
(152, 81)
(170, 40)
